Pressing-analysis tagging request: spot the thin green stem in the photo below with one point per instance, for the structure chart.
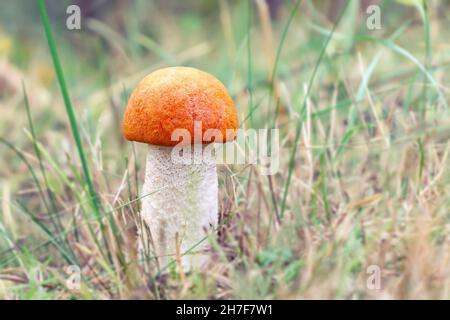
(73, 124)
(68, 104)
(300, 123)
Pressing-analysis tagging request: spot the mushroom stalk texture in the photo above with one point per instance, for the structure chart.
(179, 205)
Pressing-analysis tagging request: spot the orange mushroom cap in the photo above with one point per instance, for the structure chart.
(174, 98)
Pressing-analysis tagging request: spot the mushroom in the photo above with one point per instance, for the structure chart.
(179, 198)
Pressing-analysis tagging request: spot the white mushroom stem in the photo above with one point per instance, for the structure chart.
(179, 203)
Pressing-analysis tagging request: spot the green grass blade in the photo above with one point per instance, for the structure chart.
(278, 55)
(401, 51)
(249, 58)
(51, 204)
(73, 123)
(66, 255)
(27, 164)
(68, 104)
(300, 124)
(428, 52)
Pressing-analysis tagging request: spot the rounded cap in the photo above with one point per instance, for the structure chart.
(177, 98)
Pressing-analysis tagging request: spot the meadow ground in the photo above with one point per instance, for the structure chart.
(360, 205)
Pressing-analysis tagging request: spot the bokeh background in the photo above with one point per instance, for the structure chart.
(364, 160)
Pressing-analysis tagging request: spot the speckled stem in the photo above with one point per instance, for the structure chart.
(179, 199)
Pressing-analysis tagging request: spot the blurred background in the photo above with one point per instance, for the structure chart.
(364, 171)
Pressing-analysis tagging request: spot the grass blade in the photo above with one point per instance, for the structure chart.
(68, 104)
(51, 208)
(299, 125)
(73, 122)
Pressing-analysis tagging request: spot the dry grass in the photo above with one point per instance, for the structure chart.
(370, 178)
